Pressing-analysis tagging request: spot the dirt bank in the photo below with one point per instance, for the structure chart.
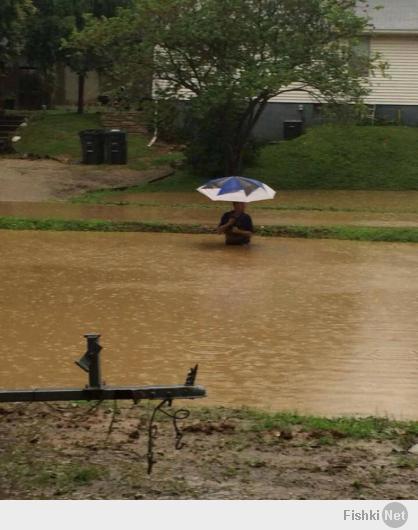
(42, 180)
(72, 452)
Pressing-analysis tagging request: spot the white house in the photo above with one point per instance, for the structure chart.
(393, 98)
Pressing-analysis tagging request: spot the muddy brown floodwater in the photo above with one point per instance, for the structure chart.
(324, 327)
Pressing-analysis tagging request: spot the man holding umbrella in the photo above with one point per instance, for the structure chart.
(236, 225)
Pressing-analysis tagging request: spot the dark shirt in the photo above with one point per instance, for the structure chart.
(243, 222)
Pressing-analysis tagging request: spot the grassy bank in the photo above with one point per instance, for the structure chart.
(55, 134)
(367, 428)
(329, 157)
(343, 157)
(79, 451)
(354, 233)
(326, 157)
(112, 198)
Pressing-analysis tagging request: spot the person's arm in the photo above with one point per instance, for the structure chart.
(225, 226)
(247, 229)
(241, 232)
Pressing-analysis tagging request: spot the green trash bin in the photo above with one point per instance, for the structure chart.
(115, 147)
(92, 146)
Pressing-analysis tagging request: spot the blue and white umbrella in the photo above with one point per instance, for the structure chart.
(236, 189)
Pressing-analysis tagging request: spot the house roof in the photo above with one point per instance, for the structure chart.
(393, 16)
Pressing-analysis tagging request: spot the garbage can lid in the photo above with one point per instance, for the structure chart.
(92, 131)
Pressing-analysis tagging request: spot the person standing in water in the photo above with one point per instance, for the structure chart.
(236, 225)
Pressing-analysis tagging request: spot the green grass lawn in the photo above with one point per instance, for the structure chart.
(326, 157)
(55, 133)
(329, 157)
(343, 157)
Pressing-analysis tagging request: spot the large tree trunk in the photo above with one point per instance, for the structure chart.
(234, 160)
(81, 84)
(243, 135)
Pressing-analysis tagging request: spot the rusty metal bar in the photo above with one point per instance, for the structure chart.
(100, 394)
(97, 391)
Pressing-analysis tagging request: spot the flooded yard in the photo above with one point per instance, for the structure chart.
(324, 327)
(208, 214)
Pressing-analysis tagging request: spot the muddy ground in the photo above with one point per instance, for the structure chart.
(43, 180)
(78, 452)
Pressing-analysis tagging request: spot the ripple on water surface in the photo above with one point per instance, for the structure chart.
(327, 327)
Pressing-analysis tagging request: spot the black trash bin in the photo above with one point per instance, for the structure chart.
(92, 146)
(115, 147)
(292, 129)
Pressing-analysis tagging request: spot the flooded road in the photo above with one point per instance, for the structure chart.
(350, 200)
(324, 327)
(208, 214)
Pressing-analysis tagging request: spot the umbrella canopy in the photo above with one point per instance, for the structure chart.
(236, 189)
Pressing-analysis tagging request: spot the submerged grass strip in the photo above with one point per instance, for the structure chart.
(106, 197)
(354, 233)
(91, 225)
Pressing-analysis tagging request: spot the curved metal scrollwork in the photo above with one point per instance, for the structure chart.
(180, 414)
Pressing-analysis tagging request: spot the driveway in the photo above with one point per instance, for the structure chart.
(43, 180)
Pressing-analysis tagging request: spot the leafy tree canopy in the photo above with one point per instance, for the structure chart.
(56, 20)
(232, 56)
(13, 16)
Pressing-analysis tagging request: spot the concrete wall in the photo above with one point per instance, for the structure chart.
(91, 89)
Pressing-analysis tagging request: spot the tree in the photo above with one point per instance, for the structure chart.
(53, 21)
(58, 21)
(118, 42)
(232, 56)
(13, 17)
(82, 56)
(81, 53)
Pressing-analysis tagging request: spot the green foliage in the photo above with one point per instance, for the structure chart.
(166, 117)
(360, 428)
(69, 475)
(330, 157)
(53, 21)
(232, 57)
(343, 157)
(13, 17)
(407, 462)
(209, 137)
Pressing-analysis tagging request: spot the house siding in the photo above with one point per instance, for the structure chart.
(399, 87)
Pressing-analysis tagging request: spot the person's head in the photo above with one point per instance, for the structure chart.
(239, 207)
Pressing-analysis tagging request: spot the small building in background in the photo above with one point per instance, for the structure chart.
(24, 87)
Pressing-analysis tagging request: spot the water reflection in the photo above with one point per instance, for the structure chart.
(328, 327)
